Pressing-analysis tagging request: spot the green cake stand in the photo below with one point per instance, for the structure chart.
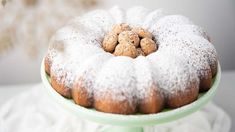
(129, 123)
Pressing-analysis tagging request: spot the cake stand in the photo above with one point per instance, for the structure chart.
(129, 123)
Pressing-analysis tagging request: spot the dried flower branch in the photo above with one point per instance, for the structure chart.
(32, 29)
(4, 2)
(5, 43)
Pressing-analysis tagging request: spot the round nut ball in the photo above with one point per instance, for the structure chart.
(148, 46)
(140, 52)
(120, 28)
(110, 41)
(125, 49)
(129, 36)
(142, 32)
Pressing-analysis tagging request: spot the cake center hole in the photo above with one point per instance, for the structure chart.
(124, 40)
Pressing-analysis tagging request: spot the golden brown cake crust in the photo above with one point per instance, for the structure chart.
(47, 65)
(154, 103)
(80, 94)
(60, 88)
(205, 82)
(109, 105)
(181, 98)
(214, 69)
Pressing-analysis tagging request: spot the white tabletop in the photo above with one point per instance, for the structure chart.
(223, 96)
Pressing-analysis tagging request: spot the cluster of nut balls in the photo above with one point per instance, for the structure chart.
(124, 40)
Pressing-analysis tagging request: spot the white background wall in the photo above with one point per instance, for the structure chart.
(216, 16)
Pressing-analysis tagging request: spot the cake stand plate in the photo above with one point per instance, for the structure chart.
(129, 123)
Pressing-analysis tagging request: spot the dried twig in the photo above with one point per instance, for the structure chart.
(4, 2)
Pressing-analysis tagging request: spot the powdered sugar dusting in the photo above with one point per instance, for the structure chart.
(200, 51)
(164, 32)
(57, 68)
(118, 14)
(75, 57)
(88, 71)
(172, 73)
(144, 78)
(102, 18)
(152, 18)
(135, 15)
(168, 21)
(174, 19)
(76, 33)
(184, 55)
(117, 77)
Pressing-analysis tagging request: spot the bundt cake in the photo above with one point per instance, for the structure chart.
(134, 61)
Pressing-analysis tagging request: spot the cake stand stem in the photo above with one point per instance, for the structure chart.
(123, 129)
